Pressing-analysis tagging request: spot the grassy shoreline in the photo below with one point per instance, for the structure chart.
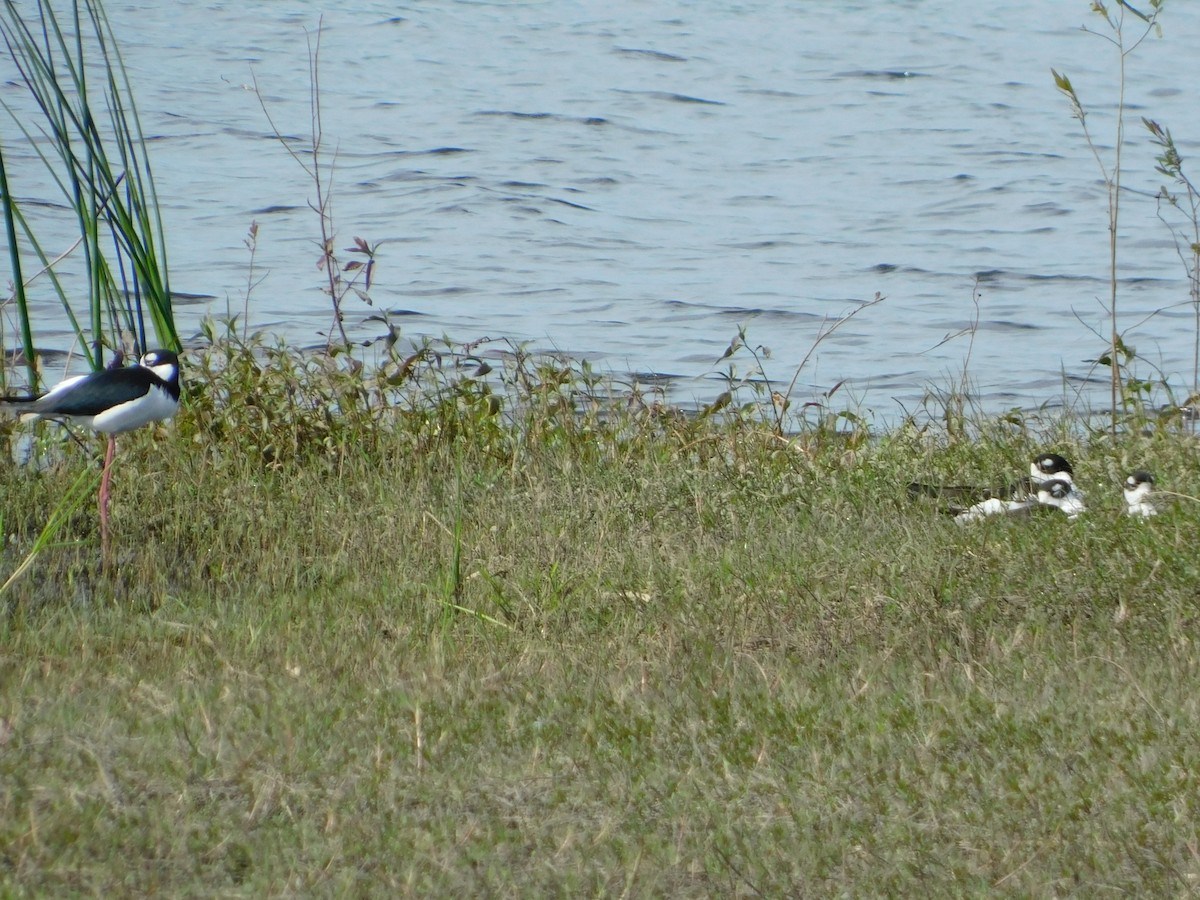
(426, 648)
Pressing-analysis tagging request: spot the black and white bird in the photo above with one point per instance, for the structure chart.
(968, 504)
(958, 497)
(994, 506)
(1138, 486)
(1050, 465)
(1061, 494)
(110, 401)
(1053, 493)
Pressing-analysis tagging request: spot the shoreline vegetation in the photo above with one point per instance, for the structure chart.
(468, 622)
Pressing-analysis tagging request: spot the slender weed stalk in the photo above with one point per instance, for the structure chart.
(964, 382)
(781, 401)
(343, 279)
(954, 406)
(1115, 20)
(253, 280)
(451, 590)
(91, 142)
(1185, 200)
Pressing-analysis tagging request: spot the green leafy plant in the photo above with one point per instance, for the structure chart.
(774, 403)
(1140, 394)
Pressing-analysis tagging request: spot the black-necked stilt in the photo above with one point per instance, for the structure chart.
(1138, 487)
(110, 401)
(959, 497)
(1054, 493)
(1050, 465)
(1061, 494)
(967, 504)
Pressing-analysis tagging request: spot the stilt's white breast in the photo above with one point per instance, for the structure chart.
(150, 407)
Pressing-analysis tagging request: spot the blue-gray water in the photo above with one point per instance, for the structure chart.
(631, 182)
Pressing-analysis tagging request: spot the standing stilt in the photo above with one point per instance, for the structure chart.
(110, 401)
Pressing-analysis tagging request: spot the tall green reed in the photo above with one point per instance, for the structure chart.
(90, 140)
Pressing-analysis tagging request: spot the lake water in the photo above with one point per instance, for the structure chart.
(632, 182)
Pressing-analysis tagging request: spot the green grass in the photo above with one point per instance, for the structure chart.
(421, 648)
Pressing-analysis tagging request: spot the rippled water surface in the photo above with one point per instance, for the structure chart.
(632, 182)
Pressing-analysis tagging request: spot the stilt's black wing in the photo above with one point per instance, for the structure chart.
(961, 497)
(97, 392)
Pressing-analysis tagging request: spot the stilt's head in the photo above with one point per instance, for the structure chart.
(163, 363)
(1050, 465)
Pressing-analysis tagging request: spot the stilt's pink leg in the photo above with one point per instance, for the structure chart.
(104, 478)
